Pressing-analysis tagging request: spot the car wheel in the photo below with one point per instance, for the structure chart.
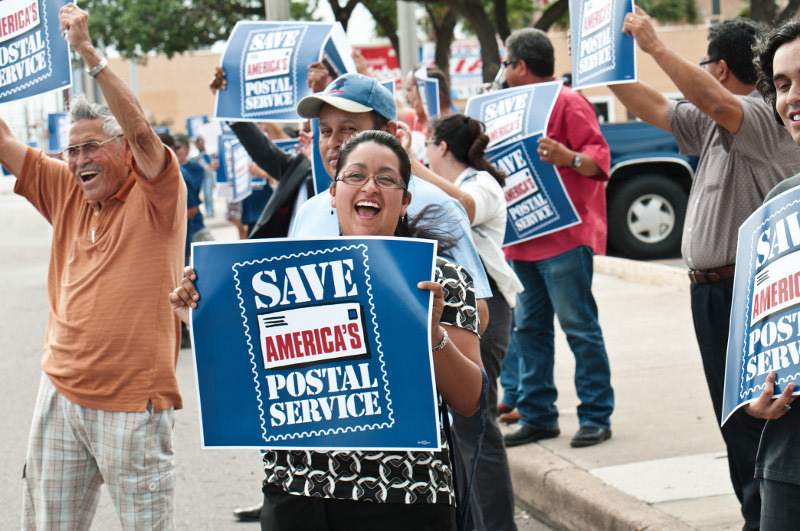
(645, 217)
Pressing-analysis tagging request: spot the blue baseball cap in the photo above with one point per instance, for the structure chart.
(351, 93)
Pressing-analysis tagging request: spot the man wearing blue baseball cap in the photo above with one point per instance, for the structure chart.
(350, 104)
(354, 103)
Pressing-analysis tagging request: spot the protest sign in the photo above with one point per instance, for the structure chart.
(194, 125)
(234, 168)
(536, 199)
(315, 344)
(390, 85)
(210, 132)
(466, 65)
(382, 63)
(287, 145)
(428, 89)
(601, 53)
(513, 113)
(764, 333)
(266, 67)
(34, 56)
(57, 131)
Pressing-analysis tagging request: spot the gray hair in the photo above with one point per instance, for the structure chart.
(534, 47)
(81, 109)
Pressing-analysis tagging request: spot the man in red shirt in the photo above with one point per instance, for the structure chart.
(556, 269)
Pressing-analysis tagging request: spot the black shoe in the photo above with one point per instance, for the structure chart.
(589, 436)
(250, 514)
(526, 434)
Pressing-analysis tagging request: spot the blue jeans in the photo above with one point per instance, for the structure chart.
(509, 373)
(560, 286)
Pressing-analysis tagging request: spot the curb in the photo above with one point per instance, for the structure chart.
(569, 497)
(642, 272)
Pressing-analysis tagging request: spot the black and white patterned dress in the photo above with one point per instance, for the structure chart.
(377, 476)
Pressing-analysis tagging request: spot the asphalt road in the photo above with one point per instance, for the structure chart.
(210, 482)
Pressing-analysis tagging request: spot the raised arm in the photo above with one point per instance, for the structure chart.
(697, 85)
(12, 150)
(465, 198)
(148, 151)
(645, 102)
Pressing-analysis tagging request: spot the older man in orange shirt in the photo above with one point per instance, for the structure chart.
(108, 392)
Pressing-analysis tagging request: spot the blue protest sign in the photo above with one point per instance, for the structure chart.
(194, 125)
(764, 333)
(601, 53)
(389, 84)
(287, 145)
(513, 113)
(159, 129)
(266, 67)
(428, 89)
(34, 56)
(58, 131)
(234, 166)
(537, 201)
(315, 344)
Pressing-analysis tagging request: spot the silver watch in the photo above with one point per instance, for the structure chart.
(577, 161)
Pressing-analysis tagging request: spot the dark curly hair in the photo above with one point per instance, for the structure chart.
(732, 40)
(765, 48)
(428, 223)
(466, 140)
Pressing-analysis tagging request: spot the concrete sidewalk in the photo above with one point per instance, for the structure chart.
(665, 466)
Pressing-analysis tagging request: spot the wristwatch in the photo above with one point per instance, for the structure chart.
(577, 161)
(97, 68)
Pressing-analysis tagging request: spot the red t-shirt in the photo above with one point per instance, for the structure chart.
(574, 124)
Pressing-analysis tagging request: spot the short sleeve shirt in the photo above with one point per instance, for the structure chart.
(733, 175)
(113, 353)
(377, 476)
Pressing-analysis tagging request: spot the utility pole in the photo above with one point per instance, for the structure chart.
(407, 32)
(276, 9)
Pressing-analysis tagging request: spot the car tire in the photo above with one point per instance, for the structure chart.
(645, 217)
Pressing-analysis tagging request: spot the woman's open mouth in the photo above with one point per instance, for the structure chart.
(368, 209)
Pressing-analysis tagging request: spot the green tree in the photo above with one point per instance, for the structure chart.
(138, 27)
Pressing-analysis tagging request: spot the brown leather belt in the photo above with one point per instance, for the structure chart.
(711, 275)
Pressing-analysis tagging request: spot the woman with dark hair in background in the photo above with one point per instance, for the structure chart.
(456, 151)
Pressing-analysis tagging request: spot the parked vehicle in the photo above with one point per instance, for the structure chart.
(647, 192)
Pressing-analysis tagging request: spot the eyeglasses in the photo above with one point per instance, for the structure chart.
(89, 149)
(359, 178)
(704, 61)
(506, 64)
(432, 142)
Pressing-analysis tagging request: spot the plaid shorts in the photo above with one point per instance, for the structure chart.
(73, 450)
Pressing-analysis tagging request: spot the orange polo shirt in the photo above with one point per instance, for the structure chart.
(112, 338)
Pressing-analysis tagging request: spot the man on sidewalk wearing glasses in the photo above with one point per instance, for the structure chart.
(104, 412)
(726, 123)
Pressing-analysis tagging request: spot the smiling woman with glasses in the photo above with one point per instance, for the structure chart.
(89, 149)
(378, 488)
